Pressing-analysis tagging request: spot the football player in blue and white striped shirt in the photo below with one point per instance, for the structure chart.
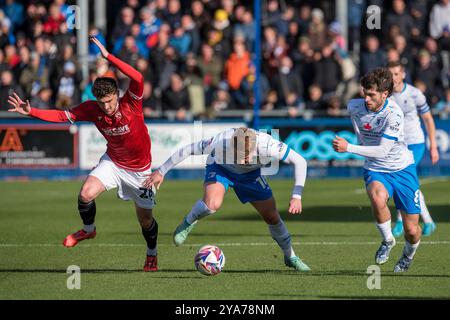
(414, 105)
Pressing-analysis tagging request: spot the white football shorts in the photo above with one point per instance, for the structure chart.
(128, 183)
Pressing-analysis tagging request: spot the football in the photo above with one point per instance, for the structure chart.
(209, 260)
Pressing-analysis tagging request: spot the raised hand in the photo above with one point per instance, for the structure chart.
(103, 50)
(18, 105)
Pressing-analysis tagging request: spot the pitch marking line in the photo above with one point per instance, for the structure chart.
(225, 244)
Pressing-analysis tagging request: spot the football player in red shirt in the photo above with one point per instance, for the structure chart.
(127, 160)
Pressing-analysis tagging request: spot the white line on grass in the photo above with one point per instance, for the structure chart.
(224, 244)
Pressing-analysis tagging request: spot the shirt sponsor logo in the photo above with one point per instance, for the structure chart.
(117, 131)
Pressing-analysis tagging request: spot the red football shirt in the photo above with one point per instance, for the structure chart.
(128, 140)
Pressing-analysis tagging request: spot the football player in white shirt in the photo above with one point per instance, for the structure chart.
(389, 169)
(413, 103)
(235, 159)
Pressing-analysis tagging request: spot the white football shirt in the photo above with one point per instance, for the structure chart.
(370, 127)
(413, 103)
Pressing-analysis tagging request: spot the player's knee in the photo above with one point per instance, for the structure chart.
(86, 195)
(213, 204)
(411, 228)
(273, 218)
(379, 199)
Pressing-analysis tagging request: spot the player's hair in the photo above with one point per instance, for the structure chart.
(243, 142)
(395, 64)
(104, 86)
(379, 79)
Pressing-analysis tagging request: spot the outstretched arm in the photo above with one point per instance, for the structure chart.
(82, 112)
(341, 145)
(136, 87)
(197, 148)
(24, 108)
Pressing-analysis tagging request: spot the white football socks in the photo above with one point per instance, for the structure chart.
(281, 235)
(426, 217)
(198, 211)
(410, 249)
(385, 230)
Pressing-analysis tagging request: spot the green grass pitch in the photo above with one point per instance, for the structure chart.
(335, 236)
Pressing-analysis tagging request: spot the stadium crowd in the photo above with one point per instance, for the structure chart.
(196, 56)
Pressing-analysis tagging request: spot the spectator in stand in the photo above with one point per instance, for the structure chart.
(139, 43)
(6, 35)
(191, 29)
(334, 107)
(328, 73)
(270, 64)
(221, 100)
(43, 100)
(147, 38)
(201, 17)
(401, 45)
(236, 68)
(372, 57)
(273, 17)
(34, 76)
(245, 26)
(55, 19)
(305, 19)
(129, 52)
(87, 91)
(288, 84)
(440, 23)
(303, 58)
(292, 37)
(433, 49)
(317, 31)
(173, 15)
(25, 58)
(169, 67)
(176, 97)
(94, 51)
(68, 90)
(429, 75)
(211, 69)
(7, 87)
(123, 26)
(401, 17)
(143, 67)
(418, 11)
(180, 40)
(11, 56)
(149, 103)
(315, 101)
(15, 12)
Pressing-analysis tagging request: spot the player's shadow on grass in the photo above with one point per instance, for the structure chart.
(330, 213)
